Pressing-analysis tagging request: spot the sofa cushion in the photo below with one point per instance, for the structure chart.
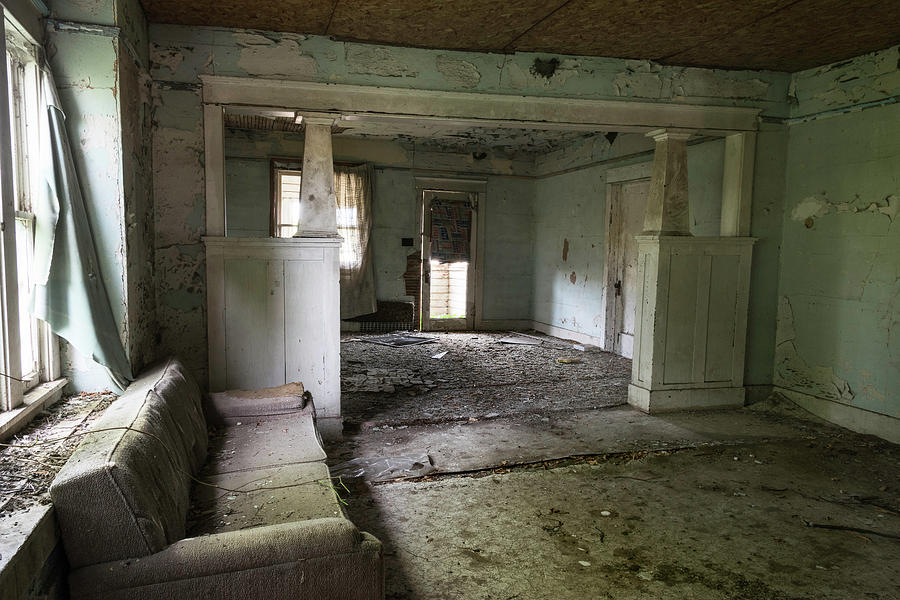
(269, 442)
(233, 501)
(125, 491)
(222, 407)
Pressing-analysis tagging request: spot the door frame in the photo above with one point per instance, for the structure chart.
(612, 310)
(474, 301)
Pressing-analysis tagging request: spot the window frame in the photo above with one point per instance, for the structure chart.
(20, 156)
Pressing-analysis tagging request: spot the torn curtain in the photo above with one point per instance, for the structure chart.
(70, 294)
(353, 188)
(451, 229)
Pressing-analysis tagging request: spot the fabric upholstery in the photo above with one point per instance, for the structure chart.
(322, 559)
(125, 490)
(258, 443)
(263, 497)
(270, 523)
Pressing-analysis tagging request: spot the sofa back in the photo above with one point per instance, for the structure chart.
(124, 492)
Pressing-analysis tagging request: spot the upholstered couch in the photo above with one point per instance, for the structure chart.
(151, 505)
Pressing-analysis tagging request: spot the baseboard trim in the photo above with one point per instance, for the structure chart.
(853, 418)
(657, 401)
(566, 334)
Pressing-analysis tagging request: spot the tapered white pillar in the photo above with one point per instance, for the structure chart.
(318, 208)
(667, 210)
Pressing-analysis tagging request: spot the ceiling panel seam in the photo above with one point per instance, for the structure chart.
(731, 32)
(331, 16)
(509, 44)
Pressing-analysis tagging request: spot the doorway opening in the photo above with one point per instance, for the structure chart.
(627, 202)
(448, 234)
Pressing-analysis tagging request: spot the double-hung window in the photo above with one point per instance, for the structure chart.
(29, 349)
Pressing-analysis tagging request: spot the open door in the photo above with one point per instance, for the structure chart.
(448, 260)
(629, 201)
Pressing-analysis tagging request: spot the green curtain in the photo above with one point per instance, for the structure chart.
(70, 294)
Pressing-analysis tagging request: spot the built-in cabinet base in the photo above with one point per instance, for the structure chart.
(654, 401)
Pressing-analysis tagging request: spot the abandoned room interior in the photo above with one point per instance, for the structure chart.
(438, 300)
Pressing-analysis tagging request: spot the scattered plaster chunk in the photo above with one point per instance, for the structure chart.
(458, 72)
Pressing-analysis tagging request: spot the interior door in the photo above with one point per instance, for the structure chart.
(632, 203)
(448, 260)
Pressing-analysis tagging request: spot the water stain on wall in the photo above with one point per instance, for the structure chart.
(565, 254)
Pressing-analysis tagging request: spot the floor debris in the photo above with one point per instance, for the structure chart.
(476, 377)
(440, 355)
(398, 340)
(568, 360)
(520, 340)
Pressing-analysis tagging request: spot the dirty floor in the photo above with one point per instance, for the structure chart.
(564, 500)
(478, 377)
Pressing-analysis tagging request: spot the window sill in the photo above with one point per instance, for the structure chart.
(41, 396)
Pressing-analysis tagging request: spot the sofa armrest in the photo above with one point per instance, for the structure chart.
(323, 557)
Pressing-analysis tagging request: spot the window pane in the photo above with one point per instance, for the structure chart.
(27, 323)
(288, 203)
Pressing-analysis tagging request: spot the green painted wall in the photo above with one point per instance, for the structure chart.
(179, 54)
(838, 347)
(507, 269)
(570, 211)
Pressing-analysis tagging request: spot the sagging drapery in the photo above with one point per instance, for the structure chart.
(353, 189)
(70, 294)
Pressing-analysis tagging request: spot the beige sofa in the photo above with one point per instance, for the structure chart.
(265, 522)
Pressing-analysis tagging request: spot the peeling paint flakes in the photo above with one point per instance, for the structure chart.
(458, 72)
(262, 56)
(169, 58)
(375, 60)
(810, 207)
(819, 206)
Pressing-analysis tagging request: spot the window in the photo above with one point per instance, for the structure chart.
(27, 342)
(287, 202)
(349, 187)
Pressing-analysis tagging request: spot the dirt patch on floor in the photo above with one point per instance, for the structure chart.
(479, 377)
(30, 460)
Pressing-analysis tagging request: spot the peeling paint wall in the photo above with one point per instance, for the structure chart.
(98, 51)
(137, 183)
(180, 53)
(507, 279)
(838, 342)
(570, 229)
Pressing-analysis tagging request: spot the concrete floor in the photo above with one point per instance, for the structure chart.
(611, 503)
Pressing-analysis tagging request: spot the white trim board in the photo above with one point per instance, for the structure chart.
(853, 418)
(384, 104)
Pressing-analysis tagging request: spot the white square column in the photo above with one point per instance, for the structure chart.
(691, 311)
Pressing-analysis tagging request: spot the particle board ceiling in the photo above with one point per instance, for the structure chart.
(780, 35)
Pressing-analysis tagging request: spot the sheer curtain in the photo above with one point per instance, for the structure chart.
(353, 188)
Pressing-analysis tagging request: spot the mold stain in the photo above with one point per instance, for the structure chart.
(573, 277)
(565, 253)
